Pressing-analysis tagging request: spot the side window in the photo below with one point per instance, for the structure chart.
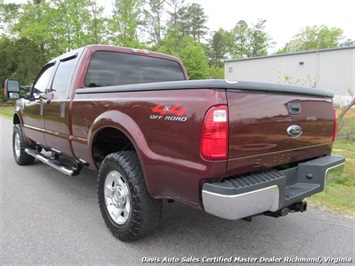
(41, 83)
(62, 75)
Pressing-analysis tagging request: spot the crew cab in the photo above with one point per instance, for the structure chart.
(235, 149)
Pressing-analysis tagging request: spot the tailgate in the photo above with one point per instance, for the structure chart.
(273, 129)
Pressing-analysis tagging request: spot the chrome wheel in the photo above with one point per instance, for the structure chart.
(17, 145)
(117, 197)
(125, 203)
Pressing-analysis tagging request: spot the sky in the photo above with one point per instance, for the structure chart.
(284, 18)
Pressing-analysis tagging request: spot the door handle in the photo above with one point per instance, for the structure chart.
(294, 108)
(43, 101)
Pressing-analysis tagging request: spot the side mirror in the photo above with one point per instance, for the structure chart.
(12, 89)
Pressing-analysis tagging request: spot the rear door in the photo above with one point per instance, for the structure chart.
(56, 110)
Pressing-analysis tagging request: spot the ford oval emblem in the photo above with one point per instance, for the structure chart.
(294, 131)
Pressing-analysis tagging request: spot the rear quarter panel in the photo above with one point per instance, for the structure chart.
(167, 139)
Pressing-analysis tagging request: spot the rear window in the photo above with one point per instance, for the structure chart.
(110, 68)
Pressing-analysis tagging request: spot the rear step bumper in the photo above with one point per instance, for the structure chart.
(270, 191)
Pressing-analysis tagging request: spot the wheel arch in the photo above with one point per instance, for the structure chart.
(16, 119)
(114, 131)
(107, 140)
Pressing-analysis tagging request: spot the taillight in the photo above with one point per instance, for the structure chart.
(214, 138)
(335, 129)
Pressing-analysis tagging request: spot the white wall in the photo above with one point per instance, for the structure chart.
(329, 69)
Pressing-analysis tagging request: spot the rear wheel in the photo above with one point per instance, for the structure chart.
(19, 145)
(126, 206)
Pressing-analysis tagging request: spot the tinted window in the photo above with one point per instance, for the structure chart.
(109, 68)
(42, 81)
(62, 75)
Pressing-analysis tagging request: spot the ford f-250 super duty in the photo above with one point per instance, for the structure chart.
(234, 149)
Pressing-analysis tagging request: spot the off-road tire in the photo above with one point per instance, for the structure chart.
(139, 212)
(19, 145)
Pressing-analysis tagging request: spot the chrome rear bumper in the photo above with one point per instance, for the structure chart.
(270, 191)
(234, 207)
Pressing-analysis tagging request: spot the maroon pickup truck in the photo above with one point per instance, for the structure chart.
(234, 149)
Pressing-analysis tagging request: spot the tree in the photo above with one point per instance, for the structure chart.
(59, 26)
(125, 22)
(20, 58)
(154, 20)
(259, 41)
(171, 43)
(178, 22)
(197, 22)
(72, 20)
(216, 72)
(175, 6)
(347, 42)
(97, 25)
(28, 60)
(194, 59)
(9, 14)
(314, 38)
(346, 108)
(250, 41)
(187, 20)
(239, 48)
(35, 24)
(218, 47)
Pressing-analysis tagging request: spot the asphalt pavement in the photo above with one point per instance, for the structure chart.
(49, 218)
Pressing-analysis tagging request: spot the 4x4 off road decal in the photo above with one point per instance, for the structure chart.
(167, 112)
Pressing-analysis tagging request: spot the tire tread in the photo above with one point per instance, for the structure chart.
(146, 211)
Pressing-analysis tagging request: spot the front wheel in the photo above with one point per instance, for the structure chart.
(19, 145)
(126, 206)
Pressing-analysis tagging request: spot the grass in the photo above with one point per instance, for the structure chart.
(339, 195)
(7, 110)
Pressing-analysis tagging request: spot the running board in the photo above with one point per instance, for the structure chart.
(54, 163)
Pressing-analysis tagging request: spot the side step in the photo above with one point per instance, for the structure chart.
(54, 163)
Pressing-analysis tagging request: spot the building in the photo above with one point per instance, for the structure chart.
(329, 69)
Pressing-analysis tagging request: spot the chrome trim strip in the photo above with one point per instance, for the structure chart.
(326, 173)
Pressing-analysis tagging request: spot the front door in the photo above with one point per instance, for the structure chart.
(33, 113)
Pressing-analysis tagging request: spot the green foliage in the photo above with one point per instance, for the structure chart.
(218, 47)
(339, 193)
(125, 21)
(314, 38)
(9, 14)
(216, 72)
(186, 20)
(51, 28)
(194, 59)
(197, 22)
(347, 42)
(59, 26)
(21, 59)
(250, 41)
(7, 110)
(192, 55)
(346, 131)
(153, 14)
